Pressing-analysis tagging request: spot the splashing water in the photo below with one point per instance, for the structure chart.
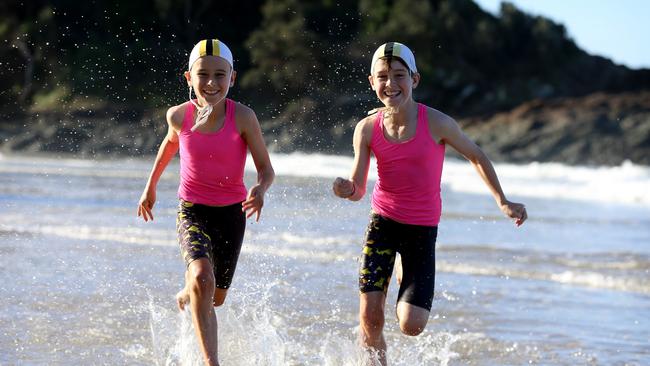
(247, 335)
(251, 333)
(294, 300)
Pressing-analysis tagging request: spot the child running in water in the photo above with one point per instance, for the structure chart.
(408, 140)
(213, 134)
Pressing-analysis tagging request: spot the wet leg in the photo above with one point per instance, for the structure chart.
(371, 317)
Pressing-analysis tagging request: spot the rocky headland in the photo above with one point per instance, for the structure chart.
(597, 129)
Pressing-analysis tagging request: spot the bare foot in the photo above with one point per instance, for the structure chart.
(182, 299)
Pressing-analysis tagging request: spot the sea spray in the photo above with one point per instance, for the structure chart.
(172, 337)
(553, 181)
(506, 285)
(247, 333)
(345, 350)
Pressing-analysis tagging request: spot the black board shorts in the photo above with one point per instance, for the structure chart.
(212, 232)
(416, 246)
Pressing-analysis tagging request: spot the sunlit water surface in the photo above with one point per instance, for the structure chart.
(83, 281)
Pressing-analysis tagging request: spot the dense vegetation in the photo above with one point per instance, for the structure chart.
(294, 58)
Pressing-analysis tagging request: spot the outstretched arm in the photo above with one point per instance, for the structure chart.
(252, 134)
(355, 187)
(168, 148)
(451, 134)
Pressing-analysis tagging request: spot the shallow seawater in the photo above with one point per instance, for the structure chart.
(83, 281)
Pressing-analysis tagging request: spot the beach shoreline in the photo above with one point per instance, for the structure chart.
(598, 129)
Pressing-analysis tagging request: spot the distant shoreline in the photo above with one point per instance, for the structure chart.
(596, 130)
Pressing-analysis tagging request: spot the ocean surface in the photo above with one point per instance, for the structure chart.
(83, 281)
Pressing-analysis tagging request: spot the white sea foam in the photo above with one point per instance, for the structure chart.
(128, 168)
(571, 273)
(285, 244)
(627, 183)
(152, 237)
(326, 240)
(575, 278)
(630, 263)
(127, 235)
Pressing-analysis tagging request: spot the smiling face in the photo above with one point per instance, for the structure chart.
(392, 82)
(211, 77)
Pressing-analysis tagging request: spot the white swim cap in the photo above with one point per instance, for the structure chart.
(394, 49)
(210, 47)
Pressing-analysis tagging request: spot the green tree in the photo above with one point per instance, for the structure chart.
(282, 50)
(406, 21)
(28, 54)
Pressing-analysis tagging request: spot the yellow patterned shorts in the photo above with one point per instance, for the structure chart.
(215, 233)
(416, 246)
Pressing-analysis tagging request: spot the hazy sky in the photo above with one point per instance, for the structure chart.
(616, 29)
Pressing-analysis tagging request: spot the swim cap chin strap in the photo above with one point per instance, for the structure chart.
(202, 113)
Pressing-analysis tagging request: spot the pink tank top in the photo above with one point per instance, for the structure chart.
(408, 183)
(212, 164)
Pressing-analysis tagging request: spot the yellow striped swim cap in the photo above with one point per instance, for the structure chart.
(210, 47)
(394, 49)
